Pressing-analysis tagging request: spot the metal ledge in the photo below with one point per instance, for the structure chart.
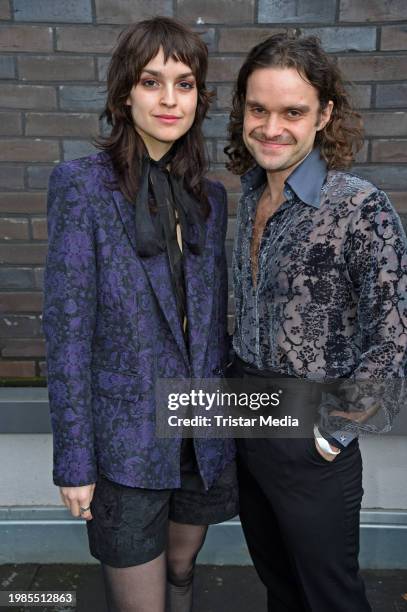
(51, 535)
(24, 410)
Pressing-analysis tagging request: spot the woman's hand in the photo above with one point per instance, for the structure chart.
(76, 498)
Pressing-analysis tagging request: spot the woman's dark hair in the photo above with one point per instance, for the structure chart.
(136, 46)
(340, 139)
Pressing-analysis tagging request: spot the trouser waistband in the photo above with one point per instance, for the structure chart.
(242, 367)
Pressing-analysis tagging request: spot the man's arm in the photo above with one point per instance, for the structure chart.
(376, 256)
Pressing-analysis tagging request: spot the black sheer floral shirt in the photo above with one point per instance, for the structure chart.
(331, 294)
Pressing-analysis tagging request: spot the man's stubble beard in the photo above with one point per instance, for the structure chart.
(270, 165)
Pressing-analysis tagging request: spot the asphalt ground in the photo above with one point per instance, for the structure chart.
(217, 588)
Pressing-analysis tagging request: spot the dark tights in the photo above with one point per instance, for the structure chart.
(142, 588)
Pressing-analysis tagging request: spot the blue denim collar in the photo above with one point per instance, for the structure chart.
(305, 181)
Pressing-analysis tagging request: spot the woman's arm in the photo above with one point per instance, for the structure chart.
(68, 322)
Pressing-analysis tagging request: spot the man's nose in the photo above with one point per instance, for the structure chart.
(273, 126)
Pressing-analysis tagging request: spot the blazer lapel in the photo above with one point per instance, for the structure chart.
(199, 278)
(157, 271)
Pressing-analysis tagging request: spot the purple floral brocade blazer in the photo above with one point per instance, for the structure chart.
(111, 328)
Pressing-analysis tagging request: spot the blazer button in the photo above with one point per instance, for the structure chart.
(217, 371)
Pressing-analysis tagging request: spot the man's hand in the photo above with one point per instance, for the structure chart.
(323, 454)
(76, 498)
(357, 417)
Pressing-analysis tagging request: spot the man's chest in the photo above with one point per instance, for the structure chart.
(263, 213)
(296, 240)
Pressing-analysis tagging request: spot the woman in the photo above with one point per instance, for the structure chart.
(135, 291)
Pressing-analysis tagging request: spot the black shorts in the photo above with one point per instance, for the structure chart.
(130, 525)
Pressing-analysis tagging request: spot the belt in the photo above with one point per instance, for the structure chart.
(242, 367)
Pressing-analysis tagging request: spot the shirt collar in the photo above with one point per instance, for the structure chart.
(305, 181)
(253, 178)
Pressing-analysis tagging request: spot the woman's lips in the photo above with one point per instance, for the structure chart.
(168, 119)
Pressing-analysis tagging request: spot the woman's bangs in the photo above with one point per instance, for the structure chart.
(183, 51)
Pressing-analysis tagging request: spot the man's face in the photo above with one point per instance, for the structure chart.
(163, 103)
(282, 116)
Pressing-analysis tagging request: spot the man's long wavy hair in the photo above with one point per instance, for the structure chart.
(136, 46)
(340, 139)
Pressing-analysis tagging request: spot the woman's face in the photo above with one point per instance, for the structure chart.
(163, 103)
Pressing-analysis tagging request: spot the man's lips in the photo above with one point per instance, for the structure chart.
(271, 144)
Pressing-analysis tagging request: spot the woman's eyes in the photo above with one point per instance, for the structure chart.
(153, 84)
(186, 85)
(149, 83)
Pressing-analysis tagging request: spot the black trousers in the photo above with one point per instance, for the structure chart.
(300, 517)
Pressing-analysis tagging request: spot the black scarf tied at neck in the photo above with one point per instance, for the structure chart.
(174, 205)
(169, 195)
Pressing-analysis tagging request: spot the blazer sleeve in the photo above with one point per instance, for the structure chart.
(68, 324)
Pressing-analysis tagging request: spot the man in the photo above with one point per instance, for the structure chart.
(320, 270)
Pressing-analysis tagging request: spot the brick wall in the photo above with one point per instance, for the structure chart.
(53, 57)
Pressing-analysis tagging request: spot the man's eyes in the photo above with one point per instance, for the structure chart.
(294, 114)
(291, 114)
